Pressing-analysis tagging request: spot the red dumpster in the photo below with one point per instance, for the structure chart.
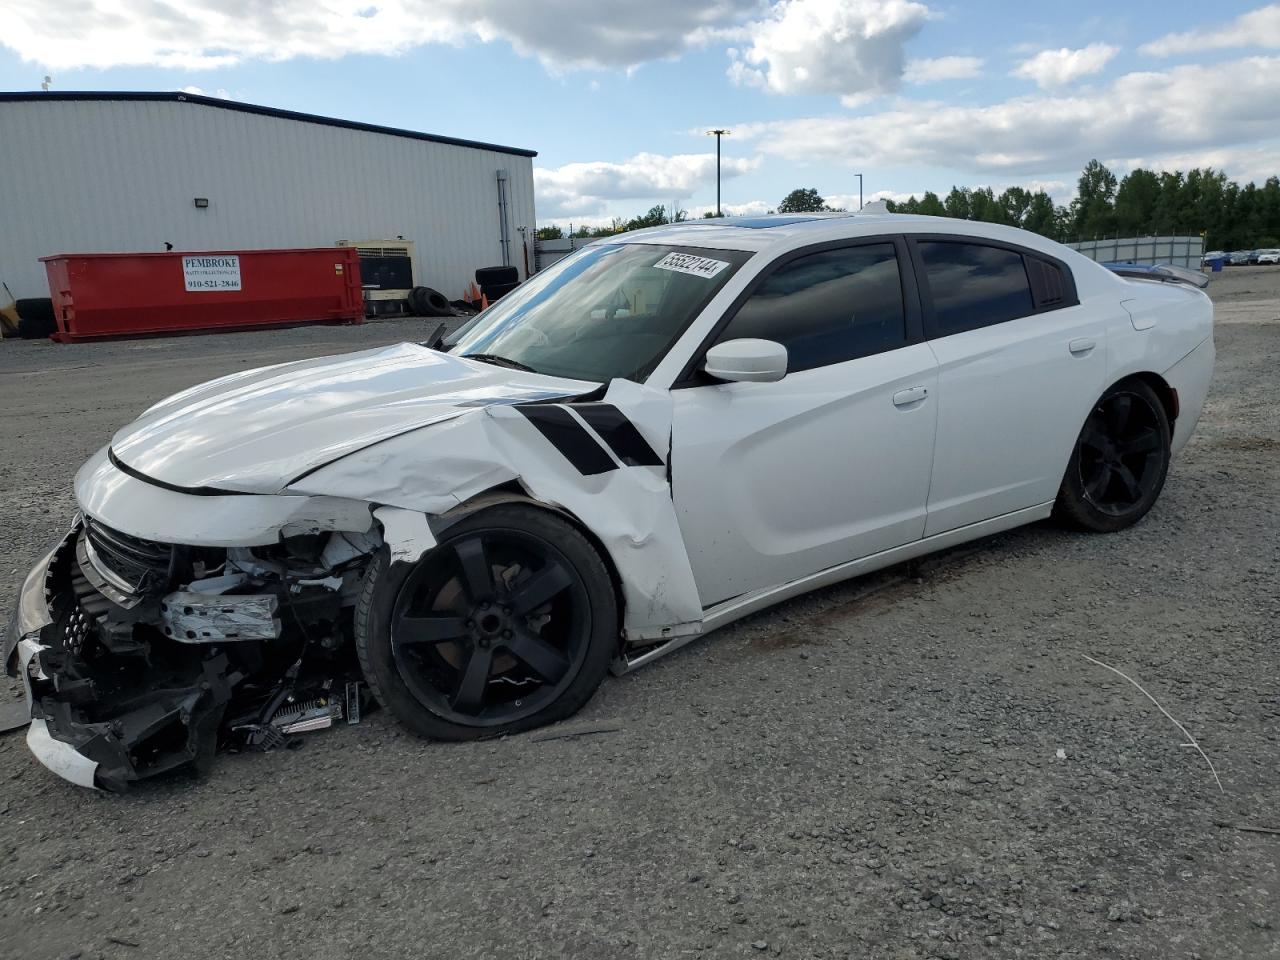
(99, 295)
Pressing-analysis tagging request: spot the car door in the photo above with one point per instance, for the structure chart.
(1020, 364)
(775, 481)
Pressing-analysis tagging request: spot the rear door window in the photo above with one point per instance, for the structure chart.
(974, 285)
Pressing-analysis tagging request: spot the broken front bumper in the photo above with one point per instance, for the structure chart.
(23, 641)
(105, 721)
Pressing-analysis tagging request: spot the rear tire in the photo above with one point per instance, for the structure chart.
(1119, 463)
(509, 623)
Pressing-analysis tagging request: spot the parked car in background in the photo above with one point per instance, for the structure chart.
(662, 433)
(1213, 255)
(1238, 258)
(1269, 256)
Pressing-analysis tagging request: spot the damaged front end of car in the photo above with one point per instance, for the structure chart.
(205, 597)
(140, 657)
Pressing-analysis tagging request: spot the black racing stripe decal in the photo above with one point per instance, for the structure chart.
(569, 437)
(619, 433)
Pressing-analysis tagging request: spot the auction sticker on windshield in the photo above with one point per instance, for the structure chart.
(211, 273)
(695, 266)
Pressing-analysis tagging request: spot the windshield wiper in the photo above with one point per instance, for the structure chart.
(500, 361)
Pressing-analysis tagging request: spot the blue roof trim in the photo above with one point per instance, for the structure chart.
(179, 97)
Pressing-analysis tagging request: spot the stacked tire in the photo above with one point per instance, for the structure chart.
(496, 282)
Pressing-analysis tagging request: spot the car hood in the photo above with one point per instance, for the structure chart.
(256, 431)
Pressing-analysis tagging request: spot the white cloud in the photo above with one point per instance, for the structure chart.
(1059, 190)
(847, 47)
(749, 208)
(1180, 109)
(222, 93)
(1258, 28)
(586, 189)
(1057, 68)
(1243, 164)
(203, 34)
(565, 223)
(895, 195)
(942, 68)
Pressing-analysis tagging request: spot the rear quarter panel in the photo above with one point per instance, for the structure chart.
(1169, 332)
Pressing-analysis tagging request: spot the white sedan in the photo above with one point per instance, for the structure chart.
(664, 432)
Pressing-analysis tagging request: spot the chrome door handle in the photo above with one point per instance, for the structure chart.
(1081, 347)
(912, 395)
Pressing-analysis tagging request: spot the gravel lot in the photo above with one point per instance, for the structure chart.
(899, 767)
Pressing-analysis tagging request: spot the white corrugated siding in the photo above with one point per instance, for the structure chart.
(108, 176)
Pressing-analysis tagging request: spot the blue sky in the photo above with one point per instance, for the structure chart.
(914, 95)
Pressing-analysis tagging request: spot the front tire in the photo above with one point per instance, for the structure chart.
(1120, 461)
(509, 623)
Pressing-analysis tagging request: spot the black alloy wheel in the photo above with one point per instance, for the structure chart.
(1120, 462)
(510, 622)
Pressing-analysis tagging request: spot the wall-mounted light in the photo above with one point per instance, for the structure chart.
(202, 202)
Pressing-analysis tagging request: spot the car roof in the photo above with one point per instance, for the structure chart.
(779, 233)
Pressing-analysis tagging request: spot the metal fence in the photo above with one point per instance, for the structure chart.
(1179, 251)
(547, 252)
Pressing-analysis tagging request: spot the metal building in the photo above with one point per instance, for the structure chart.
(113, 172)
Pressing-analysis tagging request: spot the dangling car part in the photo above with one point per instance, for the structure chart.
(658, 435)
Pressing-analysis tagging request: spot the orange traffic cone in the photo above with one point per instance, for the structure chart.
(484, 302)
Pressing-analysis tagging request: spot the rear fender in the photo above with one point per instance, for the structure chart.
(1167, 324)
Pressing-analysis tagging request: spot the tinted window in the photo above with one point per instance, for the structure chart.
(828, 307)
(973, 285)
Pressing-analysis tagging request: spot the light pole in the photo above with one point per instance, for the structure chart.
(718, 134)
(859, 176)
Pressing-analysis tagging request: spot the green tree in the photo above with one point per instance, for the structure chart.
(1136, 201)
(1144, 203)
(931, 206)
(656, 216)
(549, 233)
(1093, 211)
(1167, 213)
(959, 203)
(1247, 218)
(1041, 217)
(1014, 202)
(984, 206)
(1269, 202)
(1212, 200)
(802, 200)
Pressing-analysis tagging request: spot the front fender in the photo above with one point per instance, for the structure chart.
(624, 503)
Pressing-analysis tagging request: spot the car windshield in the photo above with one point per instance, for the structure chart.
(607, 312)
